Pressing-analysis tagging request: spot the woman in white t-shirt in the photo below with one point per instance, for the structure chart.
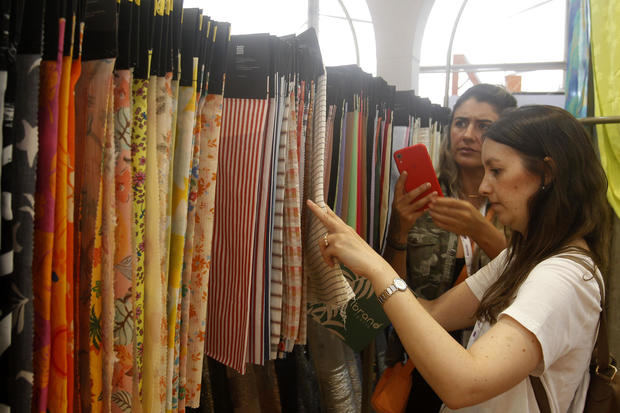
(535, 307)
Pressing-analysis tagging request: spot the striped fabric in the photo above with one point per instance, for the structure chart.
(262, 248)
(235, 220)
(308, 139)
(203, 235)
(275, 306)
(292, 274)
(327, 286)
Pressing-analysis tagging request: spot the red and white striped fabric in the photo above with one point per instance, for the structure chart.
(291, 305)
(256, 347)
(275, 305)
(243, 128)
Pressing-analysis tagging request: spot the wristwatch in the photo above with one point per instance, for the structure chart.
(397, 285)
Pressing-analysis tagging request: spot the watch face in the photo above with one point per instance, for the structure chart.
(400, 284)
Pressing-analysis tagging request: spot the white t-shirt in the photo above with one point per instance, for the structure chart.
(559, 303)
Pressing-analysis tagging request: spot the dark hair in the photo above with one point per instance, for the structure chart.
(570, 206)
(496, 96)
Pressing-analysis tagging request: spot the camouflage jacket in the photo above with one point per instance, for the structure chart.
(431, 256)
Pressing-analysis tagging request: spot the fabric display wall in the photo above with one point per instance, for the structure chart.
(156, 252)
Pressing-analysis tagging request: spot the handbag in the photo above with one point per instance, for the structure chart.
(603, 394)
(392, 390)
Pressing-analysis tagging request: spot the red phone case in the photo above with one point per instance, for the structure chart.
(416, 161)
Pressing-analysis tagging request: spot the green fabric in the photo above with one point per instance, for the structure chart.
(605, 62)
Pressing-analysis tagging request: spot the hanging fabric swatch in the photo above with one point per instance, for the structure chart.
(244, 123)
(16, 360)
(44, 210)
(19, 142)
(578, 60)
(205, 210)
(123, 254)
(59, 372)
(180, 191)
(605, 61)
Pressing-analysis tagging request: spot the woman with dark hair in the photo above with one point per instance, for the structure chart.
(535, 307)
(432, 251)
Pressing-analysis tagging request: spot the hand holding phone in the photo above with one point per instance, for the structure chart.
(416, 161)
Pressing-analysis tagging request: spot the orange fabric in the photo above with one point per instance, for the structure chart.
(392, 390)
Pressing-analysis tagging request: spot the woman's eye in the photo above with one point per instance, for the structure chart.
(460, 123)
(484, 126)
(495, 171)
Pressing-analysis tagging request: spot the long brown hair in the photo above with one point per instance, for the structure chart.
(496, 96)
(570, 206)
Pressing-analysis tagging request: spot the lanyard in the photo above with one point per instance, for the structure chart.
(468, 245)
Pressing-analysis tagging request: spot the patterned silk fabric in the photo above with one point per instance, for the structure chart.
(16, 359)
(165, 130)
(93, 94)
(244, 122)
(186, 274)
(605, 63)
(203, 235)
(151, 400)
(180, 191)
(44, 222)
(139, 94)
(58, 374)
(123, 253)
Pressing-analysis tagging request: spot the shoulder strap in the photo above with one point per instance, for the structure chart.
(600, 354)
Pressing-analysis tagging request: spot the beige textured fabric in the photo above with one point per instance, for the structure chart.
(326, 285)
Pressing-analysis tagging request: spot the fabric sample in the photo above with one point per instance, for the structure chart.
(203, 236)
(123, 254)
(605, 61)
(165, 144)
(276, 285)
(139, 93)
(16, 360)
(578, 59)
(186, 275)
(44, 222)
(92, 94)
(180, 191)
(292, 271)
(328, 289)
(243, 125)
(58, 374)
(153, 287)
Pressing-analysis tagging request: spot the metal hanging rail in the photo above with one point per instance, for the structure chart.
(597, 120)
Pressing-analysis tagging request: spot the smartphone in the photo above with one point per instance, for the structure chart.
(416, 161)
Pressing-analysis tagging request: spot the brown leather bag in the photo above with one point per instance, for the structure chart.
(604, 390)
